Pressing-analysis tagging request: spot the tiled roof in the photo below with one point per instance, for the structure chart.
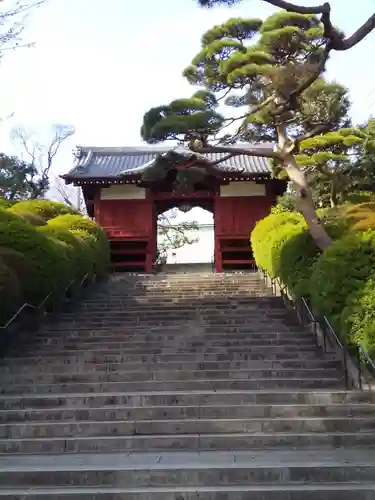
(108, 163)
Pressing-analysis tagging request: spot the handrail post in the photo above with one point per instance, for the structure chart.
(322, 327)
(324, 330)
(315, 332)
(358, 355)
(346, 374)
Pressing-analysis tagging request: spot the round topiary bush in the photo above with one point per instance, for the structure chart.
(24, 269)
(342, 270)
(265, 231)
(46, 209)
(33, 219)
(77, 222)
(48, 254)
(10, 293)
(90, 245)
(4, 203)
(358, 317)
(79, 252)
(297, 257)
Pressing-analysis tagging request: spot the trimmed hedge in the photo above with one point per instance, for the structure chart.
(33, 219)
(341, 272)
(47, 254)
(23, 267)
(4, 203)
(79, 252)
(38, 260)
(339, 282)
(358, 316)
(265, 236)
(46, 209)
(10, 291)
(76, 222)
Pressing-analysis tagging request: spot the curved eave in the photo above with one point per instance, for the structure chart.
(225, 176)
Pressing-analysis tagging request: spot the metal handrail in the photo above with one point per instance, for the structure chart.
(40, 306)
(324, 326)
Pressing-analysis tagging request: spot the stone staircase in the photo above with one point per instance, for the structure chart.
(181, 387)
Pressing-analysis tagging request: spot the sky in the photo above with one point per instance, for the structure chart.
(100, 65)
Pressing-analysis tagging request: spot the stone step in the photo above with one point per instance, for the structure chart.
(239, 352)
(176, 385)
(88, 367)
(226, 314)
(156, 413)
(347, 491)
(189, 288)
(169, 442)
(93, 336)
(187, 343)
(122, 428)
(183, 399)
(194, 327)
(214, 319)
(199, 357)
(185, 300)
(196, 296)
(141, 376)
(207, 469)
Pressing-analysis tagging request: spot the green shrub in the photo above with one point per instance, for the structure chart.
(358, 316)
(10, 292)
(33, 219)
(46, 209)
(264, 231)
(360, 197)
(47, 254)
(77, 222)
(91, 248)
(24, 269)
(342, 271)
(78, 251)
(297, 257)
(4, 203)
(285, 203)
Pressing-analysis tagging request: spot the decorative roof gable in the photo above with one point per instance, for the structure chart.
(115, 163)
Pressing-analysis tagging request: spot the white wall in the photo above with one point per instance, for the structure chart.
(203, 250)
(200, 252)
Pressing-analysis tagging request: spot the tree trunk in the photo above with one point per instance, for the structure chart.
(306, 203)
(333, 194)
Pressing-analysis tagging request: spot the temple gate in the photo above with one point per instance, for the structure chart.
(125, 189)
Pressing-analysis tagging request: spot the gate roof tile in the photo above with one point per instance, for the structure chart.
(113, 163)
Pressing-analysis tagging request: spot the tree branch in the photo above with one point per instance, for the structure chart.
(318, 70)
(259, 152)
(337, 43)
(358, 36)
(319, 129)
(325, 8)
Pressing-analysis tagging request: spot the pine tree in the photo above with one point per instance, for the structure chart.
(274, 69)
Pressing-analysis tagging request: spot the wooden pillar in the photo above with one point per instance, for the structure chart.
(217, 224)
(97, 205)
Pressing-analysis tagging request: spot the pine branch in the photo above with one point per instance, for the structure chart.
(330, 33)
(259, 152)
(291, 7)
(319, 129)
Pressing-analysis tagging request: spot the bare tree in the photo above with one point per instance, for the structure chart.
(70, 195)
(39, 154)
(173, 234)
(13, 14)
